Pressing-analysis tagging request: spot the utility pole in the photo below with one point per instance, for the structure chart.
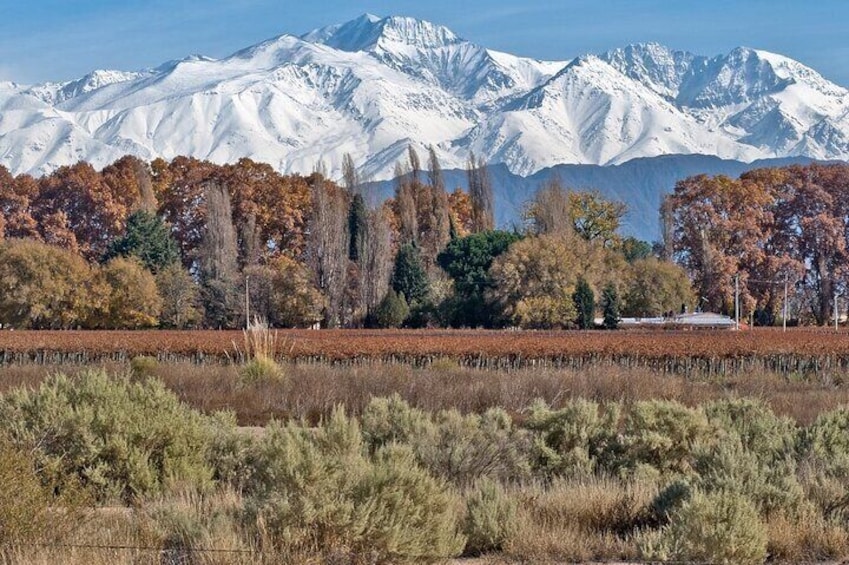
(835, 310)
(784, 315)
(737, 301)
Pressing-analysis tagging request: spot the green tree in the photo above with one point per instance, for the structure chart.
(392, 311)
(584, 299)
(148, 238)
(357, 218)
(467, 261)
(610, 306)
(409, 277)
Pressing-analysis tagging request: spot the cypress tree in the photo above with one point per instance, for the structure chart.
(584, 299)
(410, 277)
(610, 307)
(356, 227)
(147, 238)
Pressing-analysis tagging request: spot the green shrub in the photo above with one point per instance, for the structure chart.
(668, 501)
(825, 443)
(661, 434)
(261, 369)
(769, 436)
(118, 438)
(770, 483)
(463, 449)
(574, 440)
(143, 366)
(392, 310)
(316, 493)
(490, 518)
(718, 527)
(393, 420)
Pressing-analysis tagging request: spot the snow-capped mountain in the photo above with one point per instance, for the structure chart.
(372, 86)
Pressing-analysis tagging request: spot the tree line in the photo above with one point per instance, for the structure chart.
(768, 228)
(188, 243)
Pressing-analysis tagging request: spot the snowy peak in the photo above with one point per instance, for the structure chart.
(372, 86)
(368, 32)
(739, 77)
(654, 65)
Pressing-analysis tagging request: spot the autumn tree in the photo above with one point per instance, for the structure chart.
(460, 214)
(550, 210)
(77, 200)
(44, 286)
(375, 260)
(533, 282)
(218, 261)
(131, 298)
(328, 245)
(270, 211)
(724, 227)
(282, 292)
(129, 180)
(181, 304)
(180, 188)
(654, 287)
(480, 194)
(16, 196)
(595, 218)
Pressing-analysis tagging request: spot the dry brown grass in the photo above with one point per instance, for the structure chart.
(806, 538)
(588, 520)
(310, 391)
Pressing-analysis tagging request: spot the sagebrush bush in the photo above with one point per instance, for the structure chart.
(759, 429)
(825, 443)
(393, 420)
(143, 366)
(769, 482)
(119, 439)
(718, 527)
(315, 492)
(577, 439)
(463, 449)
(490, 518)
(661, 434)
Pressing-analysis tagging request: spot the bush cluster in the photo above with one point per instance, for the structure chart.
(724, 482)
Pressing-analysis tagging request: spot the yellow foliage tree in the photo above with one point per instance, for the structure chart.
(44, 286)
(131, 298)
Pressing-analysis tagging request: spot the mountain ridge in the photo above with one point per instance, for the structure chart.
(373, 85)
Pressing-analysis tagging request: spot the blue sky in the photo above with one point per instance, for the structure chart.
(59, 39)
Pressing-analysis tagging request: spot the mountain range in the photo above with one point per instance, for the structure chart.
(373, 86)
